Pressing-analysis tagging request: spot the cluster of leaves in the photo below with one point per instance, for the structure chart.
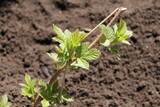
(71, 49)
(113, 35)
(50, 94)
(4, 101)
(29, 88)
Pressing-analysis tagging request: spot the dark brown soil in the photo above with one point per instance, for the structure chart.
(25, 36)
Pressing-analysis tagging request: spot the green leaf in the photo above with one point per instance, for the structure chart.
(36, 90)
(60, 35)
(115, 28)
(128, 33)
(124, 37)
(26, 92)
(125, 42)
(55, 85)
(7, 105)
(122, 28)
(64, 92)
(24, 85)
(77, 37)
(114, 50)
(81, 50)
(70, 48)
(91, 54)
(58, 31)
(67, 33)
(81, 63)
(41, 83)
(58, 39)
(27, 79)
(107, 31)
(28, 88)
(67, 98)
(53, 56)
(58, 49)
(33, 83)
(82, 53)
(45, 103)
(4, 101)
(105, 42)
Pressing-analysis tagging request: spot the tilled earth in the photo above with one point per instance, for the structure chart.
(25, 37)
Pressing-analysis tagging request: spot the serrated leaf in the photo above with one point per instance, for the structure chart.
(41, 83)
(36, 90)
(107, 31)
(58, 39)
(53, 56)
(77, 37)
(33, 81)
(32, 86)
(64, 92)
(125, 42)
(24, 85)
(60, 35)
(91, 54)
(67, 98)
(4, 99)
(58, 49)
(81, 50)
(26, 92)
(105, 42)
(70, 48)
(122, 28)
(27, 79)
(45, 103)
(114, 50)
(128, 33)
(74, 38)
(124, 37)
(63, 47)
(81, 63)
(115, 28)
(55, 85)
(29, 87)
(7, 105)
(67, 33)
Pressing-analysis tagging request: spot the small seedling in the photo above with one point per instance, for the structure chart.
(4, 101)
(72, 52)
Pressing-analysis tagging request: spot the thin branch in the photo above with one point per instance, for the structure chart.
(93, 44)
(103, 21)
(120, 10)
(62, 86)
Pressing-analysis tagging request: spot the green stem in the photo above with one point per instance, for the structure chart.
(62, 86)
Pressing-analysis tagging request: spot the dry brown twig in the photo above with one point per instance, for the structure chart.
(117, 12)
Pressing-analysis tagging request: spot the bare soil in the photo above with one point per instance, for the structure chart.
(25, 36)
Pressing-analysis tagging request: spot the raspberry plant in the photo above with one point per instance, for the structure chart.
(73, 52)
